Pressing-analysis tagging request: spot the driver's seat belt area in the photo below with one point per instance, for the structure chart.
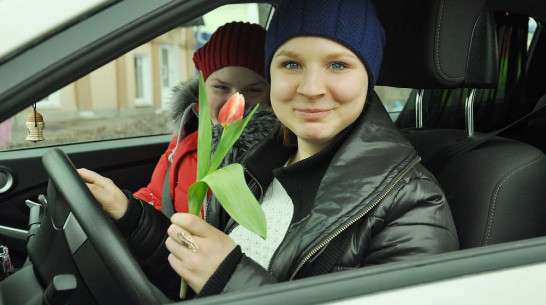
(166, 202)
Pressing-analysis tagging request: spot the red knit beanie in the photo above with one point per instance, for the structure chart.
(239, 44)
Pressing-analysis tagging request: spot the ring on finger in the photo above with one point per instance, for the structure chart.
(187, 240)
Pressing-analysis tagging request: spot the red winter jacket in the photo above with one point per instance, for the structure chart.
(183, 174)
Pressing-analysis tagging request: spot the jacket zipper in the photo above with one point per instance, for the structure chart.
(329, 239)
(257, 182)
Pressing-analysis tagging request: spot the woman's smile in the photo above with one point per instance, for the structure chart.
(312, 114)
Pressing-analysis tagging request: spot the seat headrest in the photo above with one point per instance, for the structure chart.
(438, 44)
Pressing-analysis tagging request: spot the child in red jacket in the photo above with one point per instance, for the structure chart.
(231, 61)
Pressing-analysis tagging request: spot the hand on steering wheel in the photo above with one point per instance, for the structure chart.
(112, 199)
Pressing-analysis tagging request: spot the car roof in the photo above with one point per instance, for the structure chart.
(24, 22)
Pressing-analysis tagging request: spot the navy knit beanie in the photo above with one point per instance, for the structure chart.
(352, 23)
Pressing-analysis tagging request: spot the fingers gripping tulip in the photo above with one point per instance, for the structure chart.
(232, 110)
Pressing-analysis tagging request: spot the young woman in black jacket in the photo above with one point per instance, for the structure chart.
(341, 188)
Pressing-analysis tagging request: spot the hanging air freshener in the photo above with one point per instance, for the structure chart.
(35, 125)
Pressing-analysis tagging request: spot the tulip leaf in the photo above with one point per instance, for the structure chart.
(204, 138)
(230, 136)
(229, 186)
(196, 196)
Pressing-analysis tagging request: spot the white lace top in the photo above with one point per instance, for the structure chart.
(278, 209)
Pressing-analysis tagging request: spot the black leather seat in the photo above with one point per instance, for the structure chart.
(495, 190)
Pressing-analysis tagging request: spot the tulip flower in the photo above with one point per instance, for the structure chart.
(232, 110)
(228, 183)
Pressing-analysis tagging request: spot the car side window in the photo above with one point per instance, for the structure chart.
(130, 96)
(531, 31)
(393, 99)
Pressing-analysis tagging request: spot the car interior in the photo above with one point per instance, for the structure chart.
(472, 72)
(482, 180)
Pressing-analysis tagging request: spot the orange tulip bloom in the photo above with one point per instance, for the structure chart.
(232, 110)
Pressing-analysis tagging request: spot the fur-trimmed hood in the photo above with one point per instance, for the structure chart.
(183, 95)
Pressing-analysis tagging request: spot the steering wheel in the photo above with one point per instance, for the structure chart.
(103, 235)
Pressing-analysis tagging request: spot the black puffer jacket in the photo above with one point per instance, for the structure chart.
(374, 204)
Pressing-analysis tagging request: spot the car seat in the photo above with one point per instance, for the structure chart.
(493, 108)
(494, 190)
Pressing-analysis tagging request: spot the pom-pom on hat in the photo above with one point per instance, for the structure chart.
(352, 23)
(233, 44)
